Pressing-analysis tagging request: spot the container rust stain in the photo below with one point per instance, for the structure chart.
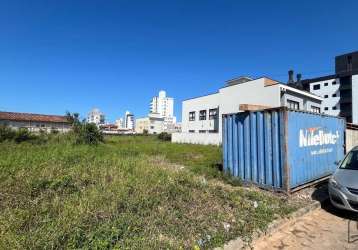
(280, 148)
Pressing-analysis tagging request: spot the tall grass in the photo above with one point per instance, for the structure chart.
(129, 193)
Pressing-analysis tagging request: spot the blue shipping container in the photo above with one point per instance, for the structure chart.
(281, 148)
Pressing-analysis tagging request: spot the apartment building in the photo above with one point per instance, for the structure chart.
(153, 124)
(161, 116)
(35, 122)
(202, 116)
(120, 123)
(163, 105)
(96, 116)
(129, 121)
(340, 90)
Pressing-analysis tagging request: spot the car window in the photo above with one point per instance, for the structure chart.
(351, 161)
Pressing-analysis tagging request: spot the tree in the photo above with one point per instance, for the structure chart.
(74, 120)
(85, 133)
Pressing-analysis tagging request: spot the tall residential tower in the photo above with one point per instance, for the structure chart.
(163, 105)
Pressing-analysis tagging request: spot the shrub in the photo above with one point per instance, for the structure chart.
(88, 133)
(145, 132)
(22, 134)
(6, 133)
(165, 136)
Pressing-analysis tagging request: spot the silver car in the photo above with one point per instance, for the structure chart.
(343, 185)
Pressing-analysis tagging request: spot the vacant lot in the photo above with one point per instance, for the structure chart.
(131, 192)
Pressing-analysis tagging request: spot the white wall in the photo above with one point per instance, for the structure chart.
(155, 126)
(196, 138)
(355, 99)
(329, 90)
(253, 92)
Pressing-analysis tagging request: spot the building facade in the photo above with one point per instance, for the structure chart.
(160, 118)
(202, 116)
(35, 122)
(119, 122)
(129, 121)
(340, 90)
(142, 125)
(96, 117)
(153, 124)
(164, 106)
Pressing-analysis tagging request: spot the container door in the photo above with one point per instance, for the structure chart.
(315, 143)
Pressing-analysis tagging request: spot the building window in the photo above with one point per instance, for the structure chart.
(325, 96)
(191, 131)
(325, 108)
(334, 83)
(316, 87)
(334, 95)
(202, 115)
(293, 105)
(202, 131)
(315, 109)
(213, 114)
(334, 108)
(151, 127)
(192, 116)
(326, 84)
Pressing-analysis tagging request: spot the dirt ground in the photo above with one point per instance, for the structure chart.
(325, 228)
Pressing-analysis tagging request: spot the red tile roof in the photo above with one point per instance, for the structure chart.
(13, 116)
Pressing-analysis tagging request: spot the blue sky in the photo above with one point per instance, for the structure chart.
(115, 55)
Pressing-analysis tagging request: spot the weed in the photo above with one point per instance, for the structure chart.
(129, 193)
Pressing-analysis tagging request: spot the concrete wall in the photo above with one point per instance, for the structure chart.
(355, 99)
(197, 138)
(351, 139)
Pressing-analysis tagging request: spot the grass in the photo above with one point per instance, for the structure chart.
(129, 193)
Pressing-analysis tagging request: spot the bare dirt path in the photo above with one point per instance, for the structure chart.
(325, 228)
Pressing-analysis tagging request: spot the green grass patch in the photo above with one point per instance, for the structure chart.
(133, 192)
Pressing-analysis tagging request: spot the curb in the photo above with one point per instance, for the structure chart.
(273, 227)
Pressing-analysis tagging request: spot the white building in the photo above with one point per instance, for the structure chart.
(96, 117)
(119, 122)
(153, 124)
(161, 116)
(202, 116)
(340, 90)
(141, 125)
(129, 121)
(164, 106)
